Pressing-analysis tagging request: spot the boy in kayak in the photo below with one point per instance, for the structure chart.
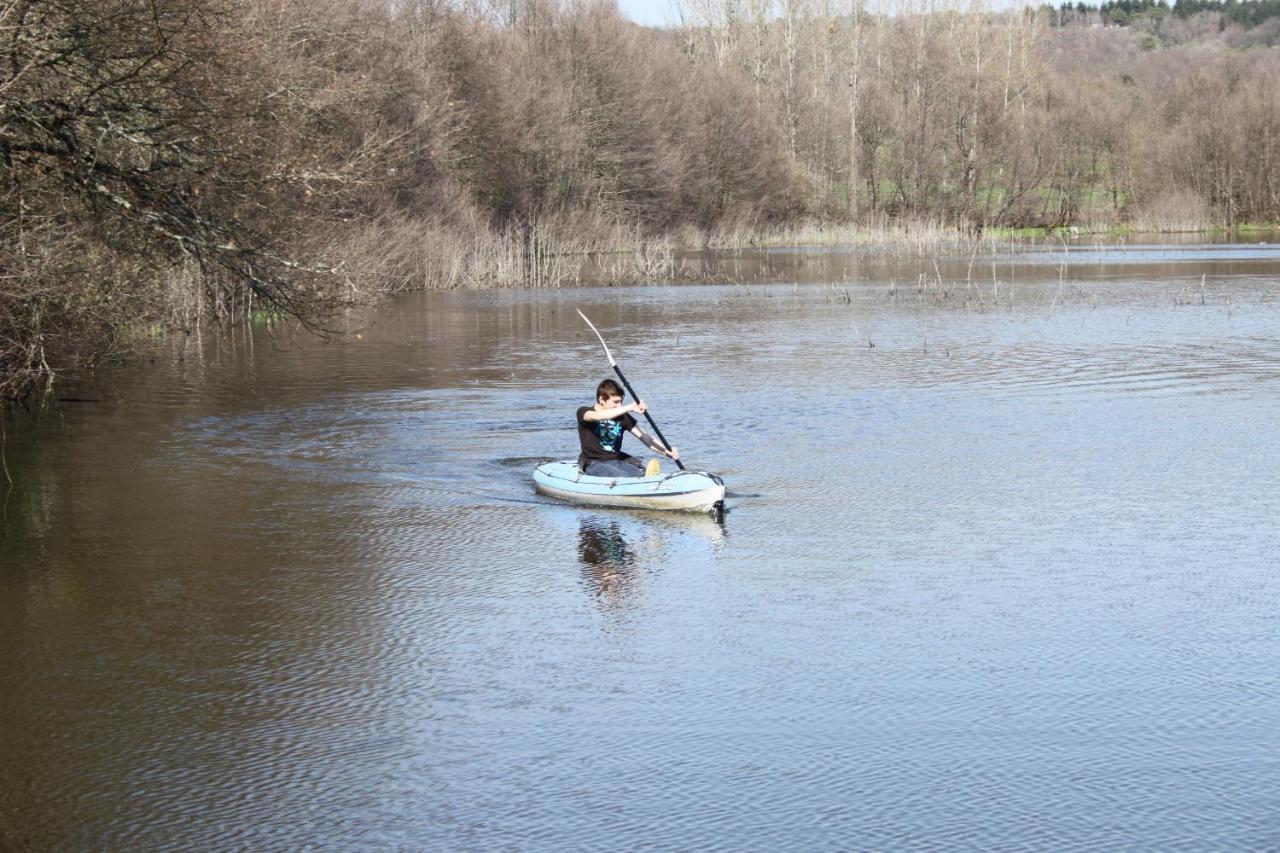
(600, 430)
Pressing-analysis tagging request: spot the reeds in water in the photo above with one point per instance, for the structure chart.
(901, 238)
(1174, 212)
(555, 254)
(515, 256)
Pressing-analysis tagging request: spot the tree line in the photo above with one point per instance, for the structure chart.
(1242, 13)
(169, 163)
(984, 118)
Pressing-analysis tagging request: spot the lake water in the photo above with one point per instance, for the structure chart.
(998, 571)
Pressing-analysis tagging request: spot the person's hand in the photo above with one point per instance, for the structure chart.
(637, 407)
(673, 453)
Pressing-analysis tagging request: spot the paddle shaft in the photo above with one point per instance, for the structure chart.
(636, 397)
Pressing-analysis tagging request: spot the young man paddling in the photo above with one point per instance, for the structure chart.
(600, 430)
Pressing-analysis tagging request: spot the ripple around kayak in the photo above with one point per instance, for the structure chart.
(692, 491)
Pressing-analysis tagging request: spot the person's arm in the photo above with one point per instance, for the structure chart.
(610, 414)
(654, 444)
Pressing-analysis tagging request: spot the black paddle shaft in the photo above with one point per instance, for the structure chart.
(636, 397)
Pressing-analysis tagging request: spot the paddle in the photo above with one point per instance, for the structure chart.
(627, 385)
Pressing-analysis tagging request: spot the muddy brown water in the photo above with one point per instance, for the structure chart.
(999, 570)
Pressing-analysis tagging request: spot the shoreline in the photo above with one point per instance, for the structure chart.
(511, 260)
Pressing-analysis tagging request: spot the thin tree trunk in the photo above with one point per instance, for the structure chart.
(854, 98)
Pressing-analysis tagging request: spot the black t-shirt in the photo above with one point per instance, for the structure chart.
(602, 439)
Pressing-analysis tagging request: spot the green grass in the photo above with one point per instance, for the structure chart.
(266, 317)
(1040, 232)
(1008, 233)
(140, 331)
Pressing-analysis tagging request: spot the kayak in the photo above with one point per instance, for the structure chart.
(692, 491)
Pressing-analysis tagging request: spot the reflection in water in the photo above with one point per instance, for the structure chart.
(619, 551)
(609, 562)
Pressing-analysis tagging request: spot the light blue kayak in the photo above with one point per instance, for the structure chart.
(691, 491)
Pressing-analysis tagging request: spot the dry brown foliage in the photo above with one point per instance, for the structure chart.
(179, 162)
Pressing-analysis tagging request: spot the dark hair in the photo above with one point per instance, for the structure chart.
(608, 388)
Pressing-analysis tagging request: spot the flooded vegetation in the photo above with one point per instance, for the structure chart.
(196, 162)
(997, 569)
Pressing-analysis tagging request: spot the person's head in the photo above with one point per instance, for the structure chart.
(609, 393)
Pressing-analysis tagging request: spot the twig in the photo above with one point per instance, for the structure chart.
(4, 440)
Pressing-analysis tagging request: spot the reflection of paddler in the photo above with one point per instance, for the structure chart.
(617, 553)
(598, 546)
(604, 552)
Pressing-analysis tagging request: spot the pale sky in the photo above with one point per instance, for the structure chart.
(653, 13)
(659, 13)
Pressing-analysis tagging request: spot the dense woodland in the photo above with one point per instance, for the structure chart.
(1150, 14)
(179, 162)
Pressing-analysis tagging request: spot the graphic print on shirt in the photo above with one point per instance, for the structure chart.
(610, 434)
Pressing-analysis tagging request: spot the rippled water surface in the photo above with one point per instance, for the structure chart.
(998, 571)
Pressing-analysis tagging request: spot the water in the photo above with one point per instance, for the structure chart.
(998, 571)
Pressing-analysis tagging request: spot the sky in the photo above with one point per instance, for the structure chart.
(662, 13)
(653, 13)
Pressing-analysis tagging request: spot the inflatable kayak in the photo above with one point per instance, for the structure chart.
(693, 491)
